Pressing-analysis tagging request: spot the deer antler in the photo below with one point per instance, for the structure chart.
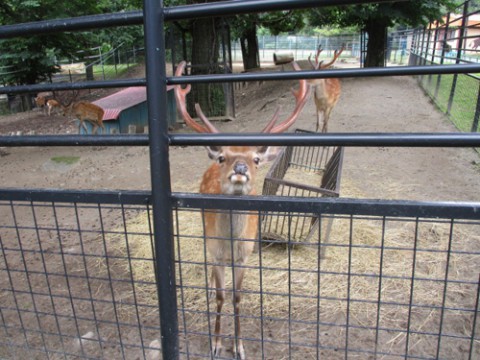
(74, 97)
(316, 65)
(336, 54)
(180, 96)
(301, 96)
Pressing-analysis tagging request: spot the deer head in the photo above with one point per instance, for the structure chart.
(235, 166)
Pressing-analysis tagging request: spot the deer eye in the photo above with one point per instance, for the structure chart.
(221, 159)
(256, 160)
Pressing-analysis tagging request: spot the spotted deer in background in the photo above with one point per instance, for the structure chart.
(326, 92)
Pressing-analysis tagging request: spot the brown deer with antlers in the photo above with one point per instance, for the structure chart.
(326, 91)
(233, 173)
(85, 111)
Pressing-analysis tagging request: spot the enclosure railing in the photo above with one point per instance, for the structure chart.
(74, 288)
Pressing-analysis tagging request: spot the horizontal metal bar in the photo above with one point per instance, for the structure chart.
(264, 76)
(77, 196)
(332, 139)
(75, 140)
(221, 8)
(72, 24)
(22, 89)
(333, 73)
(308, 139)
(328, 205)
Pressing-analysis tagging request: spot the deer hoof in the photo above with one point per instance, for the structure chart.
(239, 352)
(217, 348)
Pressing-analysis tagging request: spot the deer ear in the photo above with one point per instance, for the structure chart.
(213, 151)
(268, 153)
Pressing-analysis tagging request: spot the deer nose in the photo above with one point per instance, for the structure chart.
(240, 168)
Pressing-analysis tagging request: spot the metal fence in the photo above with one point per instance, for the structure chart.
(301, 47)
(453, 41)
(115, 274)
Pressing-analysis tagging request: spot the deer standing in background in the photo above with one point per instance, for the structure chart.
(326, 91)
(85, 111)
(41, 101)
(51, 104)
(232, 173)
(44, 101)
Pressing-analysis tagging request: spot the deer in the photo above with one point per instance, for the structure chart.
(52, 104)
(326, 92)
(85, 111)
(41, 100)
(231, 237)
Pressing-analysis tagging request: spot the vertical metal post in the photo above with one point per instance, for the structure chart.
(477, 114)
(442, 57)
(459, 56)
(160, 175)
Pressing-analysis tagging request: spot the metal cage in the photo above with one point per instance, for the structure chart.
(71, 282)
(310, 171)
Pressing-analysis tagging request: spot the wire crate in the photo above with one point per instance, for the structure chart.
(305, 171)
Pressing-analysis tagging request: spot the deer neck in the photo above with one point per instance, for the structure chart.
(231, 224)
(320, 88)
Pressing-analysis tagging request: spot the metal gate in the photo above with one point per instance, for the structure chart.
(71, 289)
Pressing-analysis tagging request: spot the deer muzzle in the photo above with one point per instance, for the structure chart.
(240, 173)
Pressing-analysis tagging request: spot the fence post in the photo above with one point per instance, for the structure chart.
(442, 57)
(459, 56)
(477, 113)
(153, 15)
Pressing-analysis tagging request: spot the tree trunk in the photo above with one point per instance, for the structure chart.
(249, 44)
(205, 50)
(377, 41)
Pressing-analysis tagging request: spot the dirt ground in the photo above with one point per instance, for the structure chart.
(367, 105)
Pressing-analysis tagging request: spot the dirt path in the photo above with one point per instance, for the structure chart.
(366, 105)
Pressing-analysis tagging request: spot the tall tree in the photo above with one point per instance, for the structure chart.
(375, 19)
(28, 60)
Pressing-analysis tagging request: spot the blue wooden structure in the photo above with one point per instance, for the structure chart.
(128, 107)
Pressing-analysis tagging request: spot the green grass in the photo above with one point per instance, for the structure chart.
(66, 160)
(462, 111)
(110, 70)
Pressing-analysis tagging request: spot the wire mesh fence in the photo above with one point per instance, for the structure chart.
(68, 289)
(78, 281)
(110, 275)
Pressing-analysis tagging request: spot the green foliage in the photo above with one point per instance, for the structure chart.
(273, 23)
(28, 60)
(374, 19)
(412, 13)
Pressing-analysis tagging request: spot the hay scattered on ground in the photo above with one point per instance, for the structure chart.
(345, 273)
(360, 256)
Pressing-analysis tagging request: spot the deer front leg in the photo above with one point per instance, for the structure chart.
(212, 286)
(318, 121)
(218, 274)
(80, 126)
(238, 349)
(326, 117)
